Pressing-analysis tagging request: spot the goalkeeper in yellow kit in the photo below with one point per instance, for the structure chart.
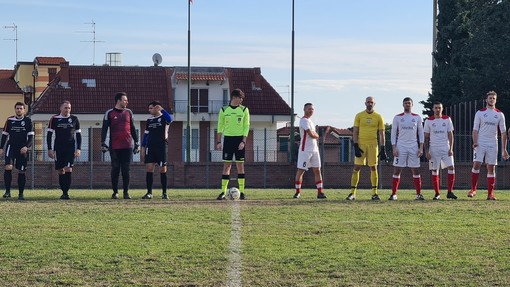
(234, 125)
(367, 124)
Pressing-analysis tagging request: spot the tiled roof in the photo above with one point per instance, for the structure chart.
(91, 89)
(49, 60)
(7, 84)
(261, 97)
(201, 76)
(332, 133)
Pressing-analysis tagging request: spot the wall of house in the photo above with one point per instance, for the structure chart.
(7, 102)
(258, 175)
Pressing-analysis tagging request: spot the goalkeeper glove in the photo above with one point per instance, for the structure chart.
(357, 151)
(104, 147)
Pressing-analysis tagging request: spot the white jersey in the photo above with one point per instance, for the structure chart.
(438, 129)
(487, 122)
(307, 143)
(407, 130)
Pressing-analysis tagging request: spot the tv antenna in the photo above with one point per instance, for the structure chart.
(93, 41)
(15, 29)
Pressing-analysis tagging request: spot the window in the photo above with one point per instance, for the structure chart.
(283, 143)
(199, 100)
(226, 99)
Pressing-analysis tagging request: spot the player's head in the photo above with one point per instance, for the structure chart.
(19, 108)
(407, 102)
(491, 98)
(308, 109)
(236, 97)
(65, 108)
(437, 108)
(121, 100)
(154, 108)
(370, 103)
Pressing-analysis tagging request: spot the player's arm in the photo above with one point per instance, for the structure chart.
(502, 129)
(104, 128)
(220, 128)
(426, 145)
(78, 136)
(30, 137)
(49, 140)
(476, 125)
(421, 136)
(168, 117)
(394, 130)
(450, 142)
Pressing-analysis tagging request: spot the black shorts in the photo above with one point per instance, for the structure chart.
(64, 156)
(156, 154)
(14, 157)
(119, 156)
(231, 148)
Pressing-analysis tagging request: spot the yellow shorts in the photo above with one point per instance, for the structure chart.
(369, 156)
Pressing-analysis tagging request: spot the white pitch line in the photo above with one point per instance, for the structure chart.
(235, 257)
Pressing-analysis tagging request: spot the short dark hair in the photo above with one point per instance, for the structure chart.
(119, 95)
(237, 93)
(65, 102)
(154, 103)
(19, 104)
(307, 104)
(407, 99)
(437, 103)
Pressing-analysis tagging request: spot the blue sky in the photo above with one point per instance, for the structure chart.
(344, 50)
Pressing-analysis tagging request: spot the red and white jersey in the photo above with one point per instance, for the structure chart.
(307, 143)
(487, 122)
(407, 130)
(438, 129)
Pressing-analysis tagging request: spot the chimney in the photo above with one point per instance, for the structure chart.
(64, 72)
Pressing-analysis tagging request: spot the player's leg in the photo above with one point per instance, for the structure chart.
(372, 160)
(354, 180)
(21, 165)
(164, 180)
(478, 156)
(241, 178)
(491, 181)
(7, 177)
(298, 181)
(149, 178)
(302, 164)
(399, 162)
(125, 161)
(115, 172)
(228, 155)
(451, 182)
(315, 164)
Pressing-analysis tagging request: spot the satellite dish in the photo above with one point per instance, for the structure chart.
(157, 59)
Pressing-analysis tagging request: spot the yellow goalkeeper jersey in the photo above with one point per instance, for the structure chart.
(368, 126)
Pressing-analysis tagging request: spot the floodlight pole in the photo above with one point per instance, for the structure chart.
(188, 126)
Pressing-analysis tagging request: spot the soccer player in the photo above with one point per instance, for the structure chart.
(367, 124)
(439, 148)
(122, 135)
(154, 146)
(234, 125)
(17, 137)
(308, 154)
(407, 139)
(485, 143)
(67, 145)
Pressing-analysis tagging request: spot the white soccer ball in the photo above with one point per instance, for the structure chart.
(233, 193)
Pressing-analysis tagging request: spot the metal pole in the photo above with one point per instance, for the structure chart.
(188, 126)
(292, 139)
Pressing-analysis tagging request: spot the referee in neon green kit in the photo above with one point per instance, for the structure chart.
(234, 124)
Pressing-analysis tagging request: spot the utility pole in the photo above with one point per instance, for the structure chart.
(15, 29)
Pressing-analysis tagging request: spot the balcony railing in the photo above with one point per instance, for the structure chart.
(213, 107)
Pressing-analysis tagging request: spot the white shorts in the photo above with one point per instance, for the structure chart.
(407, 157)
(439, 158)
(487, 152)
(307, 159)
